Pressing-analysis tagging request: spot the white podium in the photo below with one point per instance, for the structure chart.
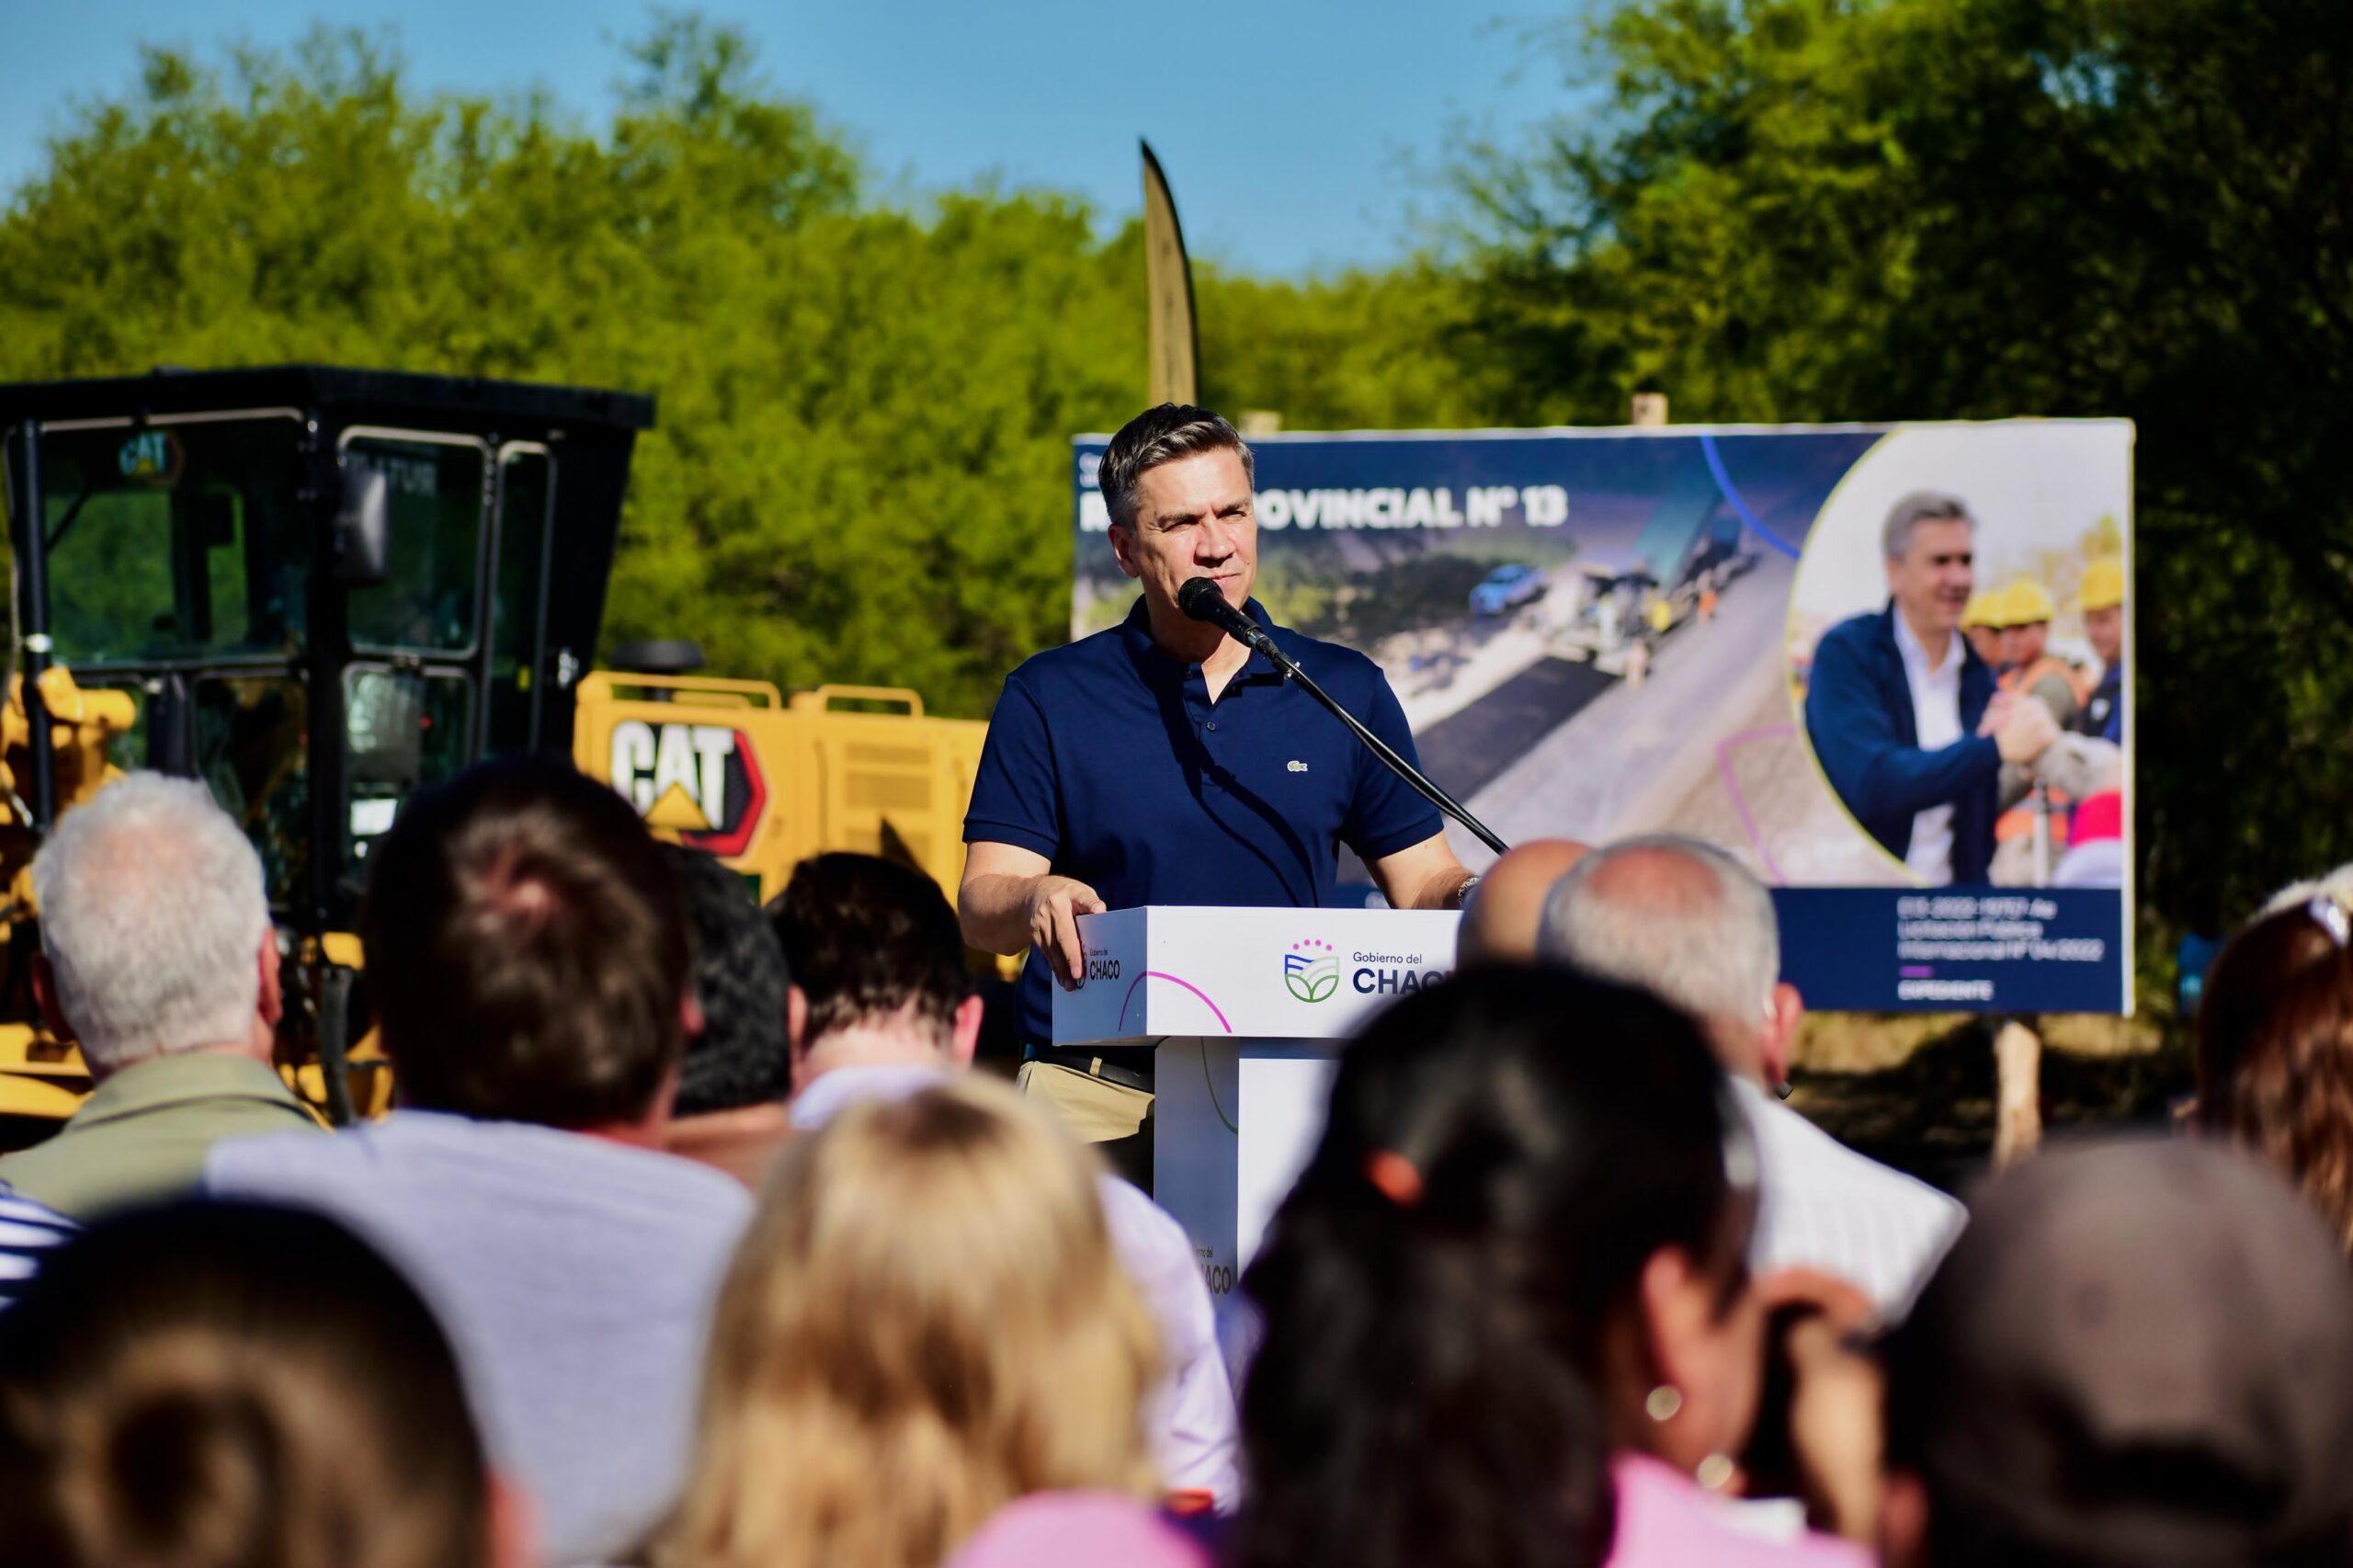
(1246, 1009)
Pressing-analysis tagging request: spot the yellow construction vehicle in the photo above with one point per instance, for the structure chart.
(235, 566)
(45, 1080)
(734, 770)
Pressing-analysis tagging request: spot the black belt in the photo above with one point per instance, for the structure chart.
(1095, 1065)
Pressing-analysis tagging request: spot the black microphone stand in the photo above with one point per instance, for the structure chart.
(1239, 625)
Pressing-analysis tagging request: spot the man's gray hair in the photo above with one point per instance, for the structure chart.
(151, 911)
(1160, 435)
(1920, 507)
(1693, 926)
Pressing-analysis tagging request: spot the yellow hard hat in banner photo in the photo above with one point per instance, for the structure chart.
(2025, 602)
(2104, 583)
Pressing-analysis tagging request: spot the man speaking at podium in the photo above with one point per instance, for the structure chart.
(1165, 762)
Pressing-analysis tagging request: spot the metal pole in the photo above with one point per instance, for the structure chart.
(316, 906)
(28, 531)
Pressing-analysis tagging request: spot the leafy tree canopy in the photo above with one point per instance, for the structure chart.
(1808, 209)
(861, 468)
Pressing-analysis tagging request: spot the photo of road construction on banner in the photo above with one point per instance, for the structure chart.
(1601, 633)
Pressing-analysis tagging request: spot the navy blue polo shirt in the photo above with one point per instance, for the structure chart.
(1108, 757)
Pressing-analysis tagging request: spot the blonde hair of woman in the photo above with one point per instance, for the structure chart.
(925, 1322)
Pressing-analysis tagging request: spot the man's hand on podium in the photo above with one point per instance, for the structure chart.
(1010, 899)
(1055, 904)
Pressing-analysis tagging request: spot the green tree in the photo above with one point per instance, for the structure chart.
(861, 468)
(1362, 351)
(1912, 208)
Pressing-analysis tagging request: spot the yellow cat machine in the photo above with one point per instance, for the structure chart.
(215, 571)
(315, 589)
(736, 769)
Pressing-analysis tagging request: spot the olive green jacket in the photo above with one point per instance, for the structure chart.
(142, 1134)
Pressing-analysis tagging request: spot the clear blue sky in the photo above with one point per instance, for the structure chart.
(1290, 128)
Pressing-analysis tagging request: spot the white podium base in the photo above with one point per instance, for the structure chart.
(1249, 1009)
(1235, 1122)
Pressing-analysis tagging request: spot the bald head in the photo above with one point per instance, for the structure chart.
(1500, 926)
(1688, 923)
(1664, 878)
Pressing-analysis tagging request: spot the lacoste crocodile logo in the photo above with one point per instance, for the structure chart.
(1297, 766)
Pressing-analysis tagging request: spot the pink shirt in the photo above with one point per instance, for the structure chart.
(1078, 1529)
(1667, 1520)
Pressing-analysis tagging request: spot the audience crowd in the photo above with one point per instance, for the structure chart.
(696, 1240)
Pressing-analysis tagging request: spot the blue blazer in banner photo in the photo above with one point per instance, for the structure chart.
(1858, 716)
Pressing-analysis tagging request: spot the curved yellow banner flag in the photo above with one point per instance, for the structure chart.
(1168, 281)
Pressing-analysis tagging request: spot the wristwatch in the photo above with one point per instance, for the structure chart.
(1462, 893)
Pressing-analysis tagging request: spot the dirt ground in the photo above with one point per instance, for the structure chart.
(1918, 1091)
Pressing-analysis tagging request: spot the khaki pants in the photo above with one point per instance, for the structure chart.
(1116, 1119)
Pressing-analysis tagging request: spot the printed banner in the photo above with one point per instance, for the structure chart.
(1810, 645)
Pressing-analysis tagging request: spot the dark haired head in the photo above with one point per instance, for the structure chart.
(866, 937)
(1159, 435)
(741, 1057)
(2139, 1351)
(221, 1384)
(1451, 1288)
(527, 947)
(2274, 1051)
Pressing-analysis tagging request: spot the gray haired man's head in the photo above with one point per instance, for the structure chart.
(1920, 507)
(152, 916)
(1684, 921)
(1160, 435)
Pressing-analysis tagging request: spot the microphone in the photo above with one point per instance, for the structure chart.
(1201, 600)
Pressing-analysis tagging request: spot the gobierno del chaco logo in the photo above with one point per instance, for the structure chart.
(1312, 970)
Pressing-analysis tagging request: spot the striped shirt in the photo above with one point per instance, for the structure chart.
(27, 1232)
(1823, 1206)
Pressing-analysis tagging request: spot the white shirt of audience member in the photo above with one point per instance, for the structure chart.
(576, 1277)
(1822, 1205)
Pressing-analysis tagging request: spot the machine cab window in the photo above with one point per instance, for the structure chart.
(172, 543)
(437, 488)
